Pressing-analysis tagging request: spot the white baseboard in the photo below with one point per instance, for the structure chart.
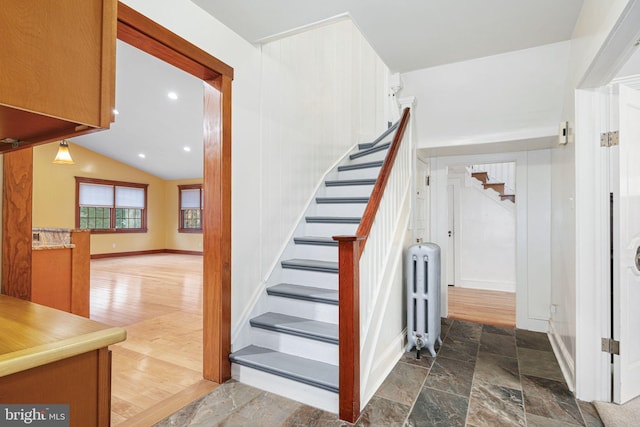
(565, 360)
(488, 285)
(536, 325)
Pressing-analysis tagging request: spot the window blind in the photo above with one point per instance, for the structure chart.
(129, 197)
(96, 195)
(190, 199)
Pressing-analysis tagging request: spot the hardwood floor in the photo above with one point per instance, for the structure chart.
(487, 307)
(158, 300)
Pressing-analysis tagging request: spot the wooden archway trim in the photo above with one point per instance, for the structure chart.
(150, 37)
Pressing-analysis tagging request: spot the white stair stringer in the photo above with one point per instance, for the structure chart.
(288, 354)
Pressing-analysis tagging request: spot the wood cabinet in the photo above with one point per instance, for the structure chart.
(60, 274)
(57, 69)
(51, 357)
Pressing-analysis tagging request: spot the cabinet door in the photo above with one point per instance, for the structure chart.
(57, 62)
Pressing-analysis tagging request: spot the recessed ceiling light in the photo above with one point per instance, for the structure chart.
(172, 95)
(141, 155)
(115, 111)
(187, 149)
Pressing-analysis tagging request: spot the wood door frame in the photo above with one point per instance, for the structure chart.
(143, 33)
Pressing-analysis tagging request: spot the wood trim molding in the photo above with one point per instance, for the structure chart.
(132, 253)
(149, 252)
(182, 252)
(216, 225)
(148, 36)
(378, 190)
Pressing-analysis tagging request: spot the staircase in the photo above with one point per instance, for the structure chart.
(294, 342)
(496, 186)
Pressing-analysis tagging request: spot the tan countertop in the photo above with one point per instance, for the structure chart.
(46, 247)
(32, 335)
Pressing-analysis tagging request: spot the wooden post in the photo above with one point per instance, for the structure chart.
(217, 230)
(148, 36)
(80, 272)
(16, 223)
(349, 326)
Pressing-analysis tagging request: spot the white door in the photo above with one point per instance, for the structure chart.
(627, 249)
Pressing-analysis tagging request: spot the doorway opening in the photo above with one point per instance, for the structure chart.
(144, 34)
(481, 249)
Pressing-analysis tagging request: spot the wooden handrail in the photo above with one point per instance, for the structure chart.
(378, 190)
(349, 253)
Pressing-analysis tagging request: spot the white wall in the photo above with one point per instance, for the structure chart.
(539, 185)
(485, 235)
(503, 97)
(323, 91)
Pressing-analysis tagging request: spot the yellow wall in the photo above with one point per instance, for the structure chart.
(173, 239)
(54, 192)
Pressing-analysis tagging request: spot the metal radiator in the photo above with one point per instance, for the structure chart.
(423, 297)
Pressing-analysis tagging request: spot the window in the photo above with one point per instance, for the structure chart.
(111, 206)
(190, 204)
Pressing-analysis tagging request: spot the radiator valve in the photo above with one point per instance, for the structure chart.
(419, 345)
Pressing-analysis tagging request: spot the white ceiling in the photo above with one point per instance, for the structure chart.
(149, 122)
(407, 34)
(413, 34)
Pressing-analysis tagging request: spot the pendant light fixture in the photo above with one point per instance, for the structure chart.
(63, 157)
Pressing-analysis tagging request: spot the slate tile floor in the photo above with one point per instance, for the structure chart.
(483, 376)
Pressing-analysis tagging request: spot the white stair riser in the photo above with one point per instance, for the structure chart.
(367, 173)
(340, 209)
(322, 253)
(299, 346)
(301, 308)
(290, 389)
(321, 229)
(347, 191)
(379, 155)
(310, 278)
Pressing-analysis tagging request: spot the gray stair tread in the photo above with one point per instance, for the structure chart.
(355, 166)
(307, 371)
(311, 264)
(314, 240)
(342, 182)
(335, 200)
(307, 293)
(333, 219)
(299, 326)
(386, 133)
(375, 149)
